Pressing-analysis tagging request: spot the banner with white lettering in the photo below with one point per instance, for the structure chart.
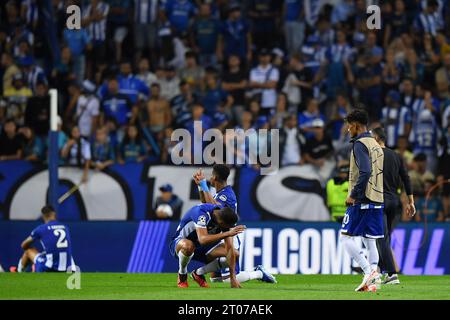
(282, 248)
(128, 192)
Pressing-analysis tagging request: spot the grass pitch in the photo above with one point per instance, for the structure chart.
(120, 286)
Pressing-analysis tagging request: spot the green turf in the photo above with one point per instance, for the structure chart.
(163, 286)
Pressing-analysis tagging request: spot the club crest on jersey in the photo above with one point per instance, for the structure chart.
(202, 221)
(223, 197)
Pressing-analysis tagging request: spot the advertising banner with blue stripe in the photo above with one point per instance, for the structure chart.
(286, 248)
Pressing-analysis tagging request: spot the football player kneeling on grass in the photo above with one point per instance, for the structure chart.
(205, 234)
(55, 240)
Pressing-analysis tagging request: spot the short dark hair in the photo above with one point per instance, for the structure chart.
(420, 157)
(221, 171)
(47, 210)
(380, 133)
(359, 116)
(228, 216)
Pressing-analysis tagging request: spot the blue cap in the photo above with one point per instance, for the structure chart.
(394, 95)
(166, 188)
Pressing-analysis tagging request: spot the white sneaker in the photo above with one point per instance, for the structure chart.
(368, 280)
(391, 279)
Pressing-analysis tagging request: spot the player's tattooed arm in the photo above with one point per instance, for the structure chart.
(204, 238)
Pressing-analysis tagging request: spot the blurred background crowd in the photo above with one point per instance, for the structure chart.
(138, 69)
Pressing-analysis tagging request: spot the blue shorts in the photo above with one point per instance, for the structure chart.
(364, 220)
(200, 253)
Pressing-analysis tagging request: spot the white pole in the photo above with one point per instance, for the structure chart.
(53, 109)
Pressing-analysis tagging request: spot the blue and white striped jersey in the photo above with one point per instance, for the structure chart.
(97, 29)
(395, 121)
(55, 240)
(146, 11)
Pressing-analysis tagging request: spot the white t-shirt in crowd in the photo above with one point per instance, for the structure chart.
(88, 107)
(263, 75)
(291, 153)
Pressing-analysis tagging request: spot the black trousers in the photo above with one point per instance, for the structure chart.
(392, 211)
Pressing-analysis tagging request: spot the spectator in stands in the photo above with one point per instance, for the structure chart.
(132, 148)
(168, 205)
(264, 81)
(420, 174)
(205, 35)
(427, 21)
(369, 84)
(412, 67)
(407, 92)
(391, 72)
(94, 20)
(234, 82)
(87, 112)
(431, 209)
(235, 38)
(291, 141)
(298, 85)
(9, 70)
(318, 151)
(396, 119)
(426, 130)
(442, 77)
(32, 146)
(37, 113)
(336, 68)
(307, 117)
(63, 72)
(144, 74)
(180, 105)
(10, 142)
(403, 149)
(103, 153)
(263, 19)
(77, 152)
(17, 96)
(117, 105)
(216, 101)
(339, 110)
(397, 24)
(294, 26)
(33, 73)
(192, 72)
(169, 82)
(158, 114)
(179, 14)
(118, 24)
(337, 191)
(79, 43)
(146, 18)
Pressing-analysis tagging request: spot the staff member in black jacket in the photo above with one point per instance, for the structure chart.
(394, 174)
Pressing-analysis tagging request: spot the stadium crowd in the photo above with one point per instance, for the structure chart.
(137, 70)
